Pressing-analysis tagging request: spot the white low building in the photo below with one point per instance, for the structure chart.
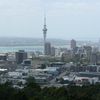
(86, 80)
(14, 74)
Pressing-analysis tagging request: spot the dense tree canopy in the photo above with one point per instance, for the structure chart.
(32, 91)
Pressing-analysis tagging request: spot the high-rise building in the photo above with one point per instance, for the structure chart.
(44, 33)
(73, 44)
(47, 48)
(88, 52)
(3, 57)
(20, 56)
(52, 51)
(94, 58)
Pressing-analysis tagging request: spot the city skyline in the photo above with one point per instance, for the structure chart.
(66, 19)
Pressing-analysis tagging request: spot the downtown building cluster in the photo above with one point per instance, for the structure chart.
(77, 65)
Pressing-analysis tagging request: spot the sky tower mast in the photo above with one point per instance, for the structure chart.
(44, 32)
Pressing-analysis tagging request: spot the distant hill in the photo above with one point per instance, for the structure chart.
(4, 41)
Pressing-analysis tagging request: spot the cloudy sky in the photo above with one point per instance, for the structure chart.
(66, 19)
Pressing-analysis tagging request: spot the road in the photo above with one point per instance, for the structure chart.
(58, 77)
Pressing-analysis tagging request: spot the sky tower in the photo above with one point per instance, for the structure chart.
(44, 32)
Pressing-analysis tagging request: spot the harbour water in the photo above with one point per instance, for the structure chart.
(5, 49)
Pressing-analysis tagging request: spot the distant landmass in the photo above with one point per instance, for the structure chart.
(4, 41)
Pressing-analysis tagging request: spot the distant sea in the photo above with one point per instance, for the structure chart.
(12, 44)
(5, 49)
(28, 44)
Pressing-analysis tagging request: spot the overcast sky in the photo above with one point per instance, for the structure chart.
(66, 19)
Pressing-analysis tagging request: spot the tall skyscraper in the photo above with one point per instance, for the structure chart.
(73, 44)
(52, 51)
(20, 56)
(44, 33)
(47, 48)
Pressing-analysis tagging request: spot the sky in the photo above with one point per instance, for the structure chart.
(66, 19)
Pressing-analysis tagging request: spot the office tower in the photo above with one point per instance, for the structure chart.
(44, 33)
(73, 44)
(52, 51)
(88, 52)
(20, 56)
(94, 58)
(3, 57)
(47, 48)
